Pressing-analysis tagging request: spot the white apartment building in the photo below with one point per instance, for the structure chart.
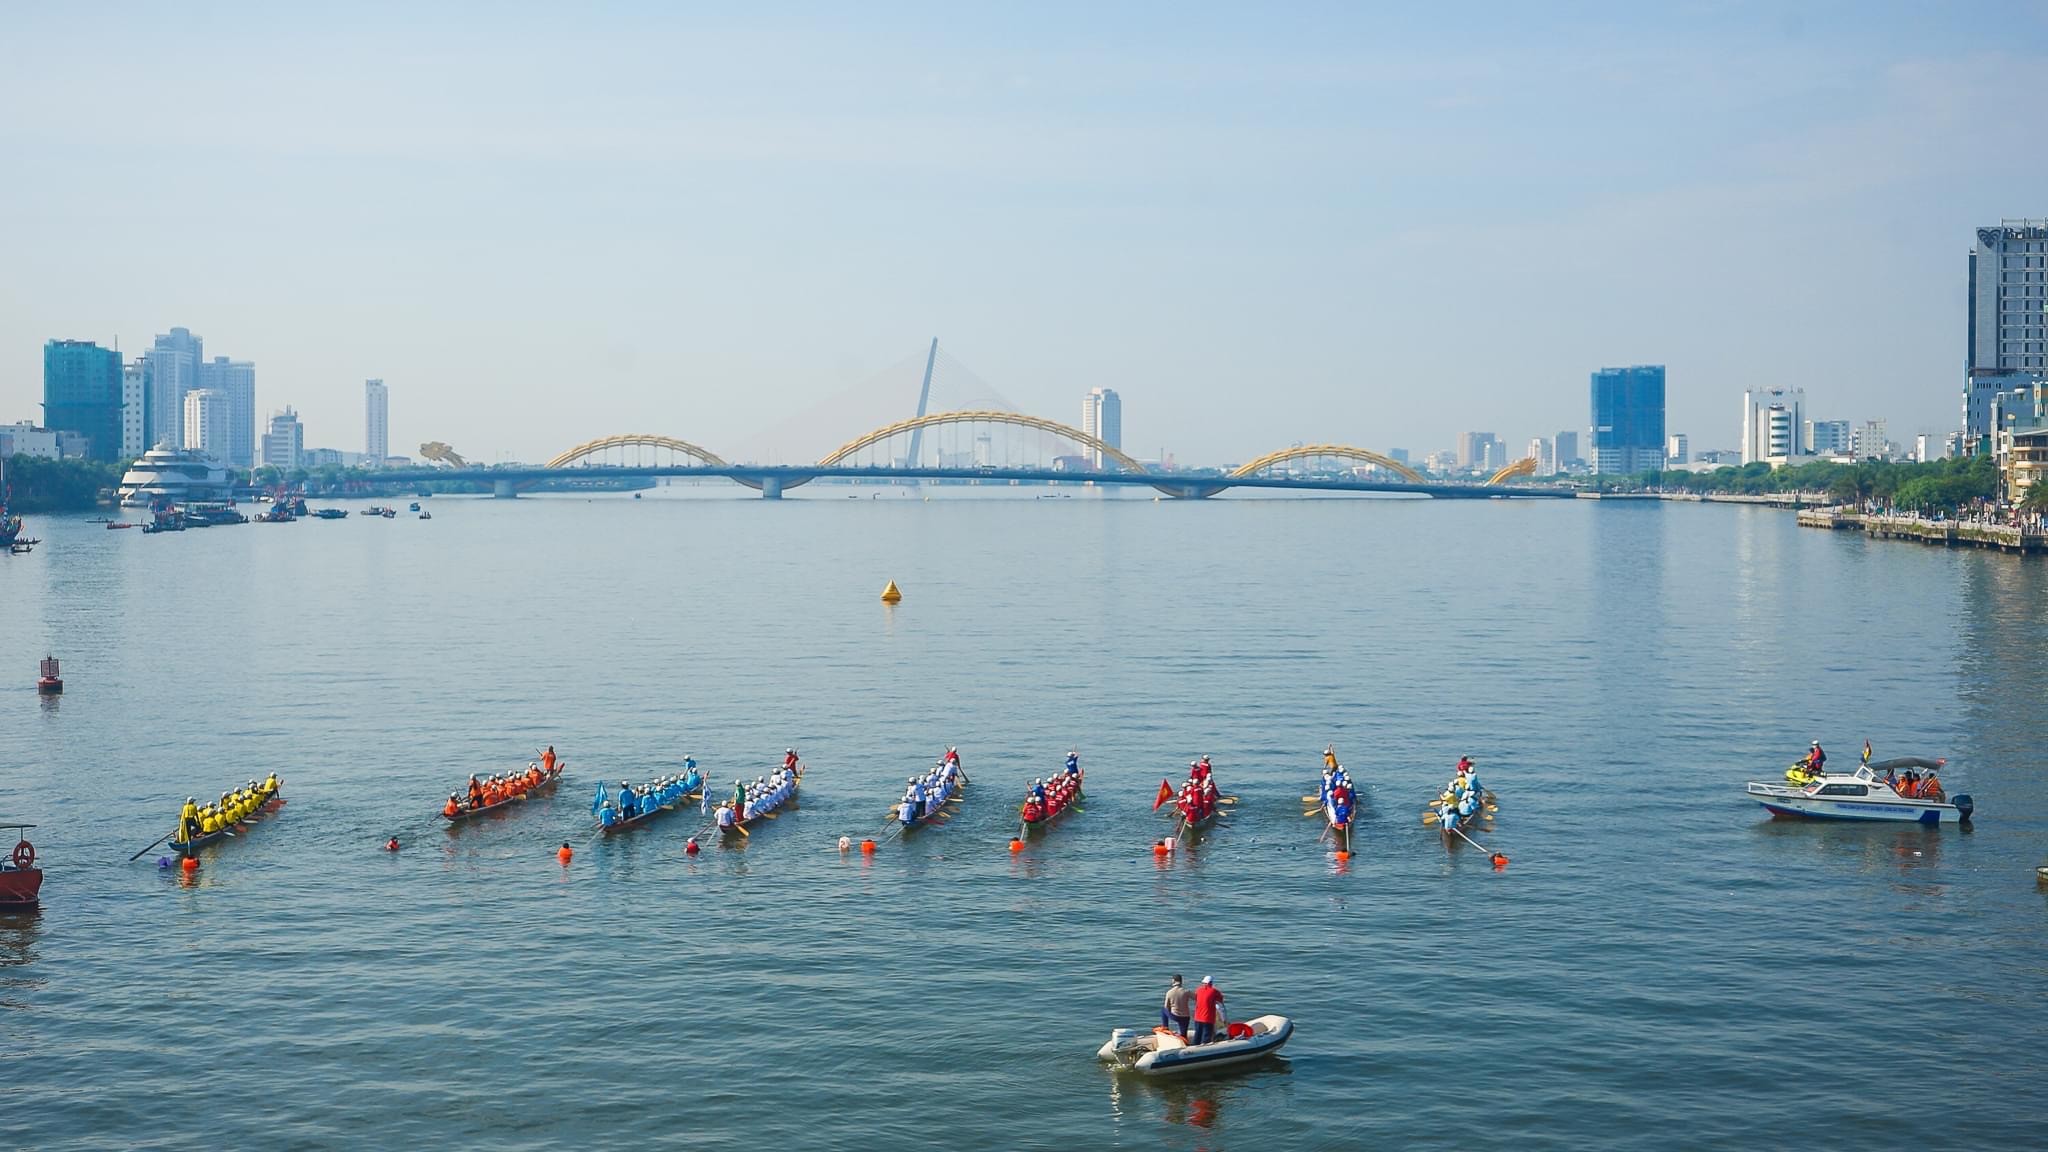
(284, 446)
(1772, 422)
(206, 422)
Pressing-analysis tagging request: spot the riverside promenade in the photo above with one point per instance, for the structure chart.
(2030, 534)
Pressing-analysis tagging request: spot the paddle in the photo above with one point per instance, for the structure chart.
(159, 840)
(1468, 839)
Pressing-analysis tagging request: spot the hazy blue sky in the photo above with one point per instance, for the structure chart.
(1260, 225)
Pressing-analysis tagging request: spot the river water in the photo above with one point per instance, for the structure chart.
(1659, 965)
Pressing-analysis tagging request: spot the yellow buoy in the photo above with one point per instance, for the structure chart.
(891, 595)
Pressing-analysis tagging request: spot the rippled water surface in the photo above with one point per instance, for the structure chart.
(1659, 965)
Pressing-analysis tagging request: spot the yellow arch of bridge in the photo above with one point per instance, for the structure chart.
(591, 448)
(1340, 451)
(1526, 466)
(982, 417)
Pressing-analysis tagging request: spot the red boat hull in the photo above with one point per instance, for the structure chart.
(18, 888)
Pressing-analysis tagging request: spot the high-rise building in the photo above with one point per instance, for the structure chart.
(1677, 450)
(1540, 452)
(1398, 455)
(206, 422)
(135, 408)
(236, 380)
(173, 371)
(1565, 450)
(2008, 316)
(1773, 420)
(1870, 442)
(1102, 416)
(376, 422)
(285, 444)
(1628, 419)
(1478, 450)
(82, 393)
(1827, 437)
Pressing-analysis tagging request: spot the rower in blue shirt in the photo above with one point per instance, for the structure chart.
(629, 804)
(1073, 763)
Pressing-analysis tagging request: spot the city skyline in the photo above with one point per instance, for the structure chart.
(495, 231)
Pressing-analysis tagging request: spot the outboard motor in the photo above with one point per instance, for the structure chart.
(1964, 805)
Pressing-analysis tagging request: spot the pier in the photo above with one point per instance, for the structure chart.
(1950, 533)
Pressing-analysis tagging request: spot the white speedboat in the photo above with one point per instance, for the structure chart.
(1158, 1052)
(1864, 795)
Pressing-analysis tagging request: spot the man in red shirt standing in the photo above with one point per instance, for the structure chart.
(1208, 1011)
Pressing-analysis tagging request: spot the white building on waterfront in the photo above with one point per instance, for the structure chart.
(1677, 450)
(206, 423)
(236, 381)
(1870, 442)
(1773, 420)
(376, 420)
(1102, 416)
(1541, 452)
(284, 446)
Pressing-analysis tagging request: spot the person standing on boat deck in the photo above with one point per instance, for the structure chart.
(547, 759)
(476, 792)
(1180, 1004)
(188, 820)
(1816, 758)
(789, 759)
(1330, 758)
(1208, 1011)
(1074, 764)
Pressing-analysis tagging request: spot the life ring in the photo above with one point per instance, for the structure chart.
(24, 855)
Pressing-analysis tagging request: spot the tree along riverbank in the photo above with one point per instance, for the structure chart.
(1936, 486)
(39, 485)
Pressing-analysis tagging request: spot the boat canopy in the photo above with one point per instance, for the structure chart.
(1901, 763)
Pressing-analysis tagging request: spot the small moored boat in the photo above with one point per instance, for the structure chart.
(1865, 795)
(1158, 1052)
(20, 879)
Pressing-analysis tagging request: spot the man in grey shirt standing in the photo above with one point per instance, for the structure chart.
(1179, 1006)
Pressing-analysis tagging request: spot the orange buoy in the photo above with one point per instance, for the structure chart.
(564, 852)
(191, 864)
(1343, 855)
(1159, 849)
(1500, 862)
(1016, 846)
(867, 847)
(391, 845)
(891, 594)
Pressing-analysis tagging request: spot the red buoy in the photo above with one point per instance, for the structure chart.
(51, 684)
(191, 864)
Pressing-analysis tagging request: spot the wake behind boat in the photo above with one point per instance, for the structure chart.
(635, 806)
(1909, 791)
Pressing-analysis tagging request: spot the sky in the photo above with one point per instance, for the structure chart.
(1261, 225)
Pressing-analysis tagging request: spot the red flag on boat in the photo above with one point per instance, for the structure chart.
(1165, 794)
